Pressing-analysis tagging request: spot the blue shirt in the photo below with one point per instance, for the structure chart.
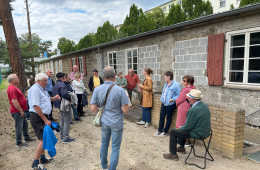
(171, 92)
(113, 115)
(195, 103)
(49, 86)
(38, 96)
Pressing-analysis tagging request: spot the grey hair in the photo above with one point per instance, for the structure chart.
(10, 78)
(108, 72)
(40, 76)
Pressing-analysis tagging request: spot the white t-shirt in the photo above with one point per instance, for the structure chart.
(78, 87)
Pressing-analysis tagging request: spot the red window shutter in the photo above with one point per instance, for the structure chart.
(71, 66)
(215, 59)
(77, 62)
(84, 65)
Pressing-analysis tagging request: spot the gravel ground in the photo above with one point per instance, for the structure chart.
(140, 150)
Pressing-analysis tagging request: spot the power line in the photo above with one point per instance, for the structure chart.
(32, 2)
(37, 6)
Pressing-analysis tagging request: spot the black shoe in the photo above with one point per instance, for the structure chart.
(38, 167)
(77, 119)
(68, 140)
(45, 161)
(180, 150)
(29, 139)
(21, 145)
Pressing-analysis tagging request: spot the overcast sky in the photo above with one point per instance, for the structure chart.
(73, 19)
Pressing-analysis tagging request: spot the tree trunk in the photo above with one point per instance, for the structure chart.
(12, 43)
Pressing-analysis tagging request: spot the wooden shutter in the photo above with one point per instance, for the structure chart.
(77, 62)
(84, 65)
(215, 59)
(71, 65)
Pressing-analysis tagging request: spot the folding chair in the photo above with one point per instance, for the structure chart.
(206, 152)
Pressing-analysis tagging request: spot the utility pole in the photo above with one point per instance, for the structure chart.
(30, 35)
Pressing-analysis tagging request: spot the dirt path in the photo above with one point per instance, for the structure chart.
(140, 150)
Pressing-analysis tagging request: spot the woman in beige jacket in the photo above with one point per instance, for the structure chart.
(146, 97)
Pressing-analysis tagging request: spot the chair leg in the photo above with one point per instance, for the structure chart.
(204, 157)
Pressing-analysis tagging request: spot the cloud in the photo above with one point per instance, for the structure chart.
(73, 19)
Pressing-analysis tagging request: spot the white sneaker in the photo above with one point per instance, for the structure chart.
(163, 134)
(157, 134)
(141, 122)
(146, 124)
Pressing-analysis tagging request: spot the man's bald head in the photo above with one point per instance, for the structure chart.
(130, 72)
(75, 68)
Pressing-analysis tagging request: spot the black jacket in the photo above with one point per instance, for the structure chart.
(91, 83)
(61, 89)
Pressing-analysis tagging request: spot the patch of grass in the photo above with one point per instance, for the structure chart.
(13, 135)
(155, 127)
(4, 84)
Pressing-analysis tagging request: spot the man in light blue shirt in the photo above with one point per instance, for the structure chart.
(40, 108)
(49, 88)
(112, 120)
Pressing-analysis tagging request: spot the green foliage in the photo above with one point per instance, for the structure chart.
(4, 84)
(105, 33)
(157, 16)
(196, 8)
(176, 15)
(247, 2)
(87, 41)
(231, 6)
(4, 57)
(66, 45)
(137, 22)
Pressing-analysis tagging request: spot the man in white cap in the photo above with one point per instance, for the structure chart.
(197, 125)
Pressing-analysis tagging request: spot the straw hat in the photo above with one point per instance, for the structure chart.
(195, 94)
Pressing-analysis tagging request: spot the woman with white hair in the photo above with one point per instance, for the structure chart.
(79, 88)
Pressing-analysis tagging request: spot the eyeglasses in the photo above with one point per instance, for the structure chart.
(184, 80)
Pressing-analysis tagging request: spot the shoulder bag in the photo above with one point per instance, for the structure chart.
(97, 119)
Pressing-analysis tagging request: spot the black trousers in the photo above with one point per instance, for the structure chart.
(80, 106)
(177, 136)
(166, 111)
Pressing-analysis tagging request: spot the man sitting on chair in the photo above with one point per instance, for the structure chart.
(197, 125)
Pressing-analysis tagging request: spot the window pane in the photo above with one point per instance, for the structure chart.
(114, 55)
(237, 52)
(128, 53)
(135, 66)
(110, 59)
(236, 76)
(254, 51)
(238, 40)
(255, 38)
(135, 59)
(254, 77)
(115, 67)
(129, 66)
(254, 64)
(134, 52)
(114, 61)
(236, 64)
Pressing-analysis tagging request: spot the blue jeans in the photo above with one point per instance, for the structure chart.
(116, 134)
(146, 114)
(74, 110)
(166, 111)
(21, 126)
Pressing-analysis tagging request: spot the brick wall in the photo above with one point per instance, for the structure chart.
(227, 126)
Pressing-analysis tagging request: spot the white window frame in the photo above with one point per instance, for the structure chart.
(108, 61)
(73, 61)
(222, 2)
(126, 59)
(81, 66)
(246, 58)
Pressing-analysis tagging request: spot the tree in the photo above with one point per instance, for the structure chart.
(38, 49)
(87, 41)
(105, 33)
(130, 23)
(196, 8)
(176, 15)
(247, 2)
(136, 22)
(4, 57)
(157, 16)
(145, 23)
(66, 45)
(12, 43)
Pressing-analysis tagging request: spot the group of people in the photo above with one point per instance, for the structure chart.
(193, 116)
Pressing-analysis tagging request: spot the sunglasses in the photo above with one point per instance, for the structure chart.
(184, 80)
